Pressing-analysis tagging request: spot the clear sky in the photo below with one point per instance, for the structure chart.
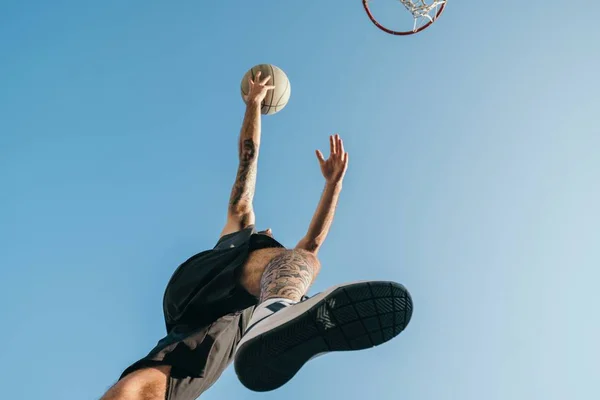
(473, 180)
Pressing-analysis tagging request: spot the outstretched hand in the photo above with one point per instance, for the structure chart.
(257, 88)
(335, 166)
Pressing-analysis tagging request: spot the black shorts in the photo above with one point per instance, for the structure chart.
(206, 313)
(197, 356)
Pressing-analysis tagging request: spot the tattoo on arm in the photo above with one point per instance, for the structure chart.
(242, 193)
(245, 182)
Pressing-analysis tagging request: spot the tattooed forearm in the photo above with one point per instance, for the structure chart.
(243, 189)
(288, 275)
(245, 182)
(247, 151)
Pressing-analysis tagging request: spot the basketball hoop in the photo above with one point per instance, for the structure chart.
(397, 20)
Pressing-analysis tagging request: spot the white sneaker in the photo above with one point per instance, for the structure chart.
(281, 337)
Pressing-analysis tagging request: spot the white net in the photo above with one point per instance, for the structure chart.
(423, 11)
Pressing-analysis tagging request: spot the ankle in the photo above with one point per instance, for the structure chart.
(271, 300)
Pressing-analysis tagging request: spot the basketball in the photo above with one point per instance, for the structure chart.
(277, 98)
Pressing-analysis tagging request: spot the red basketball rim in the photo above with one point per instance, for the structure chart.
(401, 33)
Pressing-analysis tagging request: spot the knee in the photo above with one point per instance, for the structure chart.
(143, 384)
(310, 259)
(301, 263)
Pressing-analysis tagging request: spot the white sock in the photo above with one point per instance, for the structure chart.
(262, 311)
(268, 302)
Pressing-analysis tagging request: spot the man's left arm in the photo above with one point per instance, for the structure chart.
(333, 169)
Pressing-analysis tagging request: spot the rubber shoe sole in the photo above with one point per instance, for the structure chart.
(348, 317)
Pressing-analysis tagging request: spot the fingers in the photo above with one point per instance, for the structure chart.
(345, 163)
(259, 84)
(343, 155)
(332, 143)
(320, 156)
(337, 145)
(264, 81)
(340, 145)
(257, 79)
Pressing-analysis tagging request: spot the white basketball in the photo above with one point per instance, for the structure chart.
(277, 98)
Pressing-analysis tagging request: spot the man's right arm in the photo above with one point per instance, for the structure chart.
(240, 213)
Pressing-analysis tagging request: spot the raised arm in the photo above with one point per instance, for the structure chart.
(333, 170)
(240, 213)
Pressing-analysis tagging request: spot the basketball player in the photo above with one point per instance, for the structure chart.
(248, 294)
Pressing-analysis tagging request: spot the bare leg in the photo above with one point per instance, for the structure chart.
(143, 384)
(279, 273)
(283, 274)
(289, 275)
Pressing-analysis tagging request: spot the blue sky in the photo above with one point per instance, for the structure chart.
(473, 180)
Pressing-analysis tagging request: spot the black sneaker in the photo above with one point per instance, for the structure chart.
(282, 337)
